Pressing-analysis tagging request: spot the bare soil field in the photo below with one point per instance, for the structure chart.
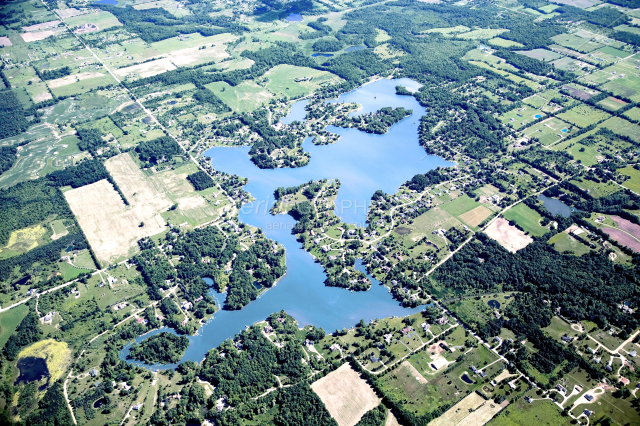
(476, 216)
(69, 12)
(42, 26)
(624, 239)
(415, 373)
(4, 41)
(147, 69)
(472, 410)
(42, 96)
(504, 375)
(40, 35)
(346, 395)
(580, 94)
(112, 228)
(193, 55)
(627, 226)
(509, 237)
(70, 79)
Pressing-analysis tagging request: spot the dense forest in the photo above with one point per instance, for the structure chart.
(158, 150)
(53, 74)
(90, 140)
(12, 119)
(589, 286)
(378, 122)
(8, 157)
(200, 180)
(27, 333)
(162, 348)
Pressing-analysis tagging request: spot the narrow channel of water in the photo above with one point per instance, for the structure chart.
(364, 163)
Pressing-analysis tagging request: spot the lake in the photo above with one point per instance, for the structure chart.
(364, 163)
(296, 17)
(114, 2)
(326, 55)
(32, 369)
(556, 206)
(297, 112)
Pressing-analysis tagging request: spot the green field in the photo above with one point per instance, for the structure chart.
(281, 80)
(460, 205)
(246, 96)
(10, 320)
(564, 242)
(633, 183)
(538, 413)
(612, 104)
(583, 115)
(527, 218)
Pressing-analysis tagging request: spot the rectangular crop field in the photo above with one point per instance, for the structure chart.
(346, 395)
(623, 127)
(633, 183)
(10, 320)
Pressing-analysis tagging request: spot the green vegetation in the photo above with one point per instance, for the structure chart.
(161, 348)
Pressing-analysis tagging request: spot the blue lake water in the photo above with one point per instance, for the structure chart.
(296, 17)
(537, 116)
(556, 206)
(326, 55)
(354, 48)
(297, 112)
(106, 2)
(364, 163)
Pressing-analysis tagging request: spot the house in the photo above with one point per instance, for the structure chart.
(32, 292)
(425, 326)
(632, 353)
(268, 329)
(334, 347)
(93, 372)
(587, 412)
(497, 339)
(388, 337)
(529, 400)
(588, 397)
(567, 339)
(238, 345)
(407, 330)
(137, 407)
(185, 321)
(308, 342)
(608, 367)
(186, 305)
(511, 385)
(561, 388)
(442, 320)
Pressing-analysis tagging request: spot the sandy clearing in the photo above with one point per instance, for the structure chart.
(415, 373)
(148, 69)
(509, 237)
(43, 96)
(391, 419)
(195, 54)
(42, 26)
(4, 41)
(70, 79)
(473, 410)
(40, 35)
(347, 396)
(503, 375)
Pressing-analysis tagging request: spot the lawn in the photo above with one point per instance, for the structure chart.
(282, 80)
(558, 328)
(537, 413)
(549, 131)
(587, 155)
(527, 218)
(460, 205)
(10, 320)
(633, 183)
(564, 242)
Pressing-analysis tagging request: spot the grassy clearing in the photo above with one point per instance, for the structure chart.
(524, 414)
(583, 115)
(245, 97)
(23, 240)
(460, 205)
(281, 80)
(527, 218)
(10, 320)
(564, 242)
(633, 183)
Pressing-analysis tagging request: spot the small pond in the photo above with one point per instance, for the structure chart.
(326, 55)
(564, 130)
(556, 206)
(99, 403)
(131, 108)
(296, 17)
(146, 120)
(493, 304)
(32, 369)
(257, 285)
(400, 230)
(465, 378)
(354, 48)
(537, 116)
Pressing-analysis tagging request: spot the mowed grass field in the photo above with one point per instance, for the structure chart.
(281, 80)
(633, 183)
(583, 115)
(10, 320)
(527, 218)
(538, 413)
